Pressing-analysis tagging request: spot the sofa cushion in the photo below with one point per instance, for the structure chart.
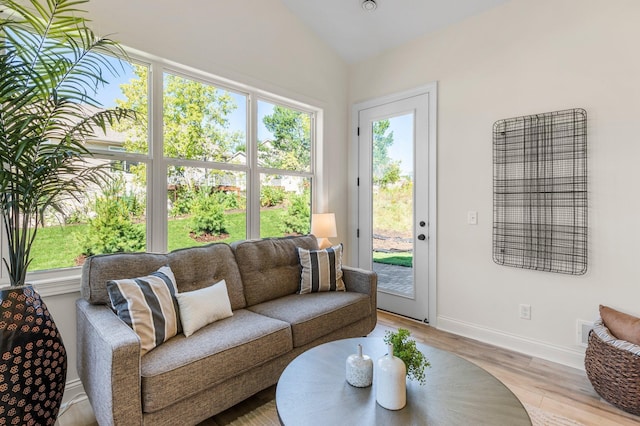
(147, 305)
(203, 306)
(270, 268)
(97, 270)
(199, 267)
(182, 367)
(316, 314)
(321, 270)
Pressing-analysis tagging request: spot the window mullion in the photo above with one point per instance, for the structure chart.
(157, 173)
(253, 177)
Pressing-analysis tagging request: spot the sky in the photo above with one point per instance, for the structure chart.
(402, 148)
(402, 126)
(237, 119)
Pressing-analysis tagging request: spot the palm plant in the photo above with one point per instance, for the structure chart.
(51, 65)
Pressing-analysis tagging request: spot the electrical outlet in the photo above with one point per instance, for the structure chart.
(525, 312)
(582, 332)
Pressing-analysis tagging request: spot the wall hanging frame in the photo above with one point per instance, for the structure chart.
(540, 191)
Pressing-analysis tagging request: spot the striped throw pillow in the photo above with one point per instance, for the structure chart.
(148, 306)
(321, 270)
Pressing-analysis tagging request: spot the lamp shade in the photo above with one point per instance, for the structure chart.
(323, 225)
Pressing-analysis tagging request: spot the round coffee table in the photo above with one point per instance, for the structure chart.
(313, 390)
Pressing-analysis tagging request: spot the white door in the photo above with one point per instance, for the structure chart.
(394, 201)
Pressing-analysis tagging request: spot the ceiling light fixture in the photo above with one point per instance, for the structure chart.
(369, 5)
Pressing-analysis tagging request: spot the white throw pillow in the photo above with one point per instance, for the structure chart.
(204, 306)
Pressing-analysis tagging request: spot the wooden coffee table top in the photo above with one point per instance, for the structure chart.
(313, 390)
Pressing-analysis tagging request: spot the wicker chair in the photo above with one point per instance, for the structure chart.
(614, 371)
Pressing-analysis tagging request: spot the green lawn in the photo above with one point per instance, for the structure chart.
(399, 258)
(59, 246)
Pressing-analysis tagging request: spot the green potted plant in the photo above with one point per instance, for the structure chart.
(405, 348)
(50, 66)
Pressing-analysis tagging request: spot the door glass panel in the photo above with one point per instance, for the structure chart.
(392, 198)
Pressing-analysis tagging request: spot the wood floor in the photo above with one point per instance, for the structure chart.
(555, 388)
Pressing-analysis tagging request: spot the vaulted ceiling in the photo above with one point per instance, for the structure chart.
(357, 34)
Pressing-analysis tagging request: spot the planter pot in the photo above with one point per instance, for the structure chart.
(33, 360)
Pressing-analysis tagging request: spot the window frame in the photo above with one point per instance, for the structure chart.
(65, 278)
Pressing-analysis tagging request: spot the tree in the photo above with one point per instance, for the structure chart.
(384, 168)
(195, 119)
(291, 147)
(50, 66)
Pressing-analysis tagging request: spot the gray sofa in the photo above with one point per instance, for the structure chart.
(186, 380)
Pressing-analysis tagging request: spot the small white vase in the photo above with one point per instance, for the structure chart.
(359, 371)
(391, 381)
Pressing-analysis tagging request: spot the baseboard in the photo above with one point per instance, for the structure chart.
(531, 347)
(72, 389)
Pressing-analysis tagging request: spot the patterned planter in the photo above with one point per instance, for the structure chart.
(33, 360)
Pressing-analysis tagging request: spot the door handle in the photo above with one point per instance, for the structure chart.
(421, 237)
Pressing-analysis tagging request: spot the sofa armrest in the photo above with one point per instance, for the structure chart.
(108, 364)
(363, 281)
(360, 280)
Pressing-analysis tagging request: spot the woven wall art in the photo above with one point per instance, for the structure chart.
(540, 192)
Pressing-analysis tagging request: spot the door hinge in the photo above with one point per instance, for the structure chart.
(357, 181)
(357, 233)
(358, 131)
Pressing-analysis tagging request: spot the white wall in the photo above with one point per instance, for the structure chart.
(525, 57)
(259, 43)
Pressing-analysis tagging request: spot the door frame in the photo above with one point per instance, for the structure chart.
(431, 90)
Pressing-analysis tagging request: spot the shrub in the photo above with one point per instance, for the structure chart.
(208, 213)
(76, 216)
(182, 200)
(135, 206)
(271, 195)
(112, 230)
(296, 219)
(230, 200)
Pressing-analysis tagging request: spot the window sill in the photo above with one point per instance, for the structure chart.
(54, 285)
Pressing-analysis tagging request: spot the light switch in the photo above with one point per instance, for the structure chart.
(472, 217)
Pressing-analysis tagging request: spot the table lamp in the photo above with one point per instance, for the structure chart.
(323, 226)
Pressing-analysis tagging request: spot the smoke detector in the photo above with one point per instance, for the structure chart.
(369, 5)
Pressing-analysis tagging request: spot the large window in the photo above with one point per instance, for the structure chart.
(205, 161)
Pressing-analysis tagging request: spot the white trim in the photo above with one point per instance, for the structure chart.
(558, 354)
(431, 89)
(72, 389)
(57, 286)
(156, 163)
(237, 82)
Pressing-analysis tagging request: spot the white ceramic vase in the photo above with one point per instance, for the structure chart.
(391, 381)
(359, 369)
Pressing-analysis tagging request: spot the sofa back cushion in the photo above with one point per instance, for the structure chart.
(99, 269)
(199, 267)
(270, 267)
(194, 268)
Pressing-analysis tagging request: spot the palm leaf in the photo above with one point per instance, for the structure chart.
(51, 65)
